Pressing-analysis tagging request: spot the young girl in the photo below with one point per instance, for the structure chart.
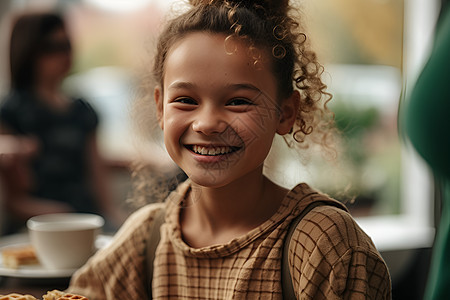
(230, 75)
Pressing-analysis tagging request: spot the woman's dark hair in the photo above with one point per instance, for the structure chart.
(28, 38)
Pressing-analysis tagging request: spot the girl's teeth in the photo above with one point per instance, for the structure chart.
(211, 150)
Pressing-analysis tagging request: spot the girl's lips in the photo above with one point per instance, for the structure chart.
(212, 153)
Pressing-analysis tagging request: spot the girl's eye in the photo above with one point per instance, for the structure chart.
(185, 100)
(239, 101)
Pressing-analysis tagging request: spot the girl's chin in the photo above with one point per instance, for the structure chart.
(209, 179)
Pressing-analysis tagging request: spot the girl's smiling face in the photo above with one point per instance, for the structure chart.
(218, 110)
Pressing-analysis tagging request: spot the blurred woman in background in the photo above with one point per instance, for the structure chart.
(65, 173)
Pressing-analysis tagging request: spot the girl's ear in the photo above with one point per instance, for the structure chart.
(159, 106)
(289, 109)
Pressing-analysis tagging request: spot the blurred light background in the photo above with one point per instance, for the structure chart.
(372, 51)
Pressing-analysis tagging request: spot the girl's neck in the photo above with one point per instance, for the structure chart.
(230, 211)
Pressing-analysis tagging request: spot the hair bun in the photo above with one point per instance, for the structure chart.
(273, 6)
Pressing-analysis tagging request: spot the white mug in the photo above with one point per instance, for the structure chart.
(66, 240)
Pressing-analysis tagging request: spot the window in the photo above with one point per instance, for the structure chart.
(373, 50)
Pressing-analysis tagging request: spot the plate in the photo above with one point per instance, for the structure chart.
(37, 270)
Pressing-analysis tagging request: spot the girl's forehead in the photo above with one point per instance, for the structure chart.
(220, 48)
(220, 43)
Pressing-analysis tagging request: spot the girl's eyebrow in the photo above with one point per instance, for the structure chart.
(232, 86)
(243, 86)
(181, 85)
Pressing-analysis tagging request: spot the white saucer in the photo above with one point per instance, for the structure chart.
(37, 270)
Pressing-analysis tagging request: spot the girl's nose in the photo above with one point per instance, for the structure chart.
(209, 122)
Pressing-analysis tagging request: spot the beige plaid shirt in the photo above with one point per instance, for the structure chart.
(330, 257)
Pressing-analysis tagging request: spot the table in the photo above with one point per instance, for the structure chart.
(35, 286)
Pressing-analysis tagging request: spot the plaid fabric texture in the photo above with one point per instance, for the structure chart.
(330, 258)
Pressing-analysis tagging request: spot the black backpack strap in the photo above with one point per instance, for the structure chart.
(152, 244)
(286, 279)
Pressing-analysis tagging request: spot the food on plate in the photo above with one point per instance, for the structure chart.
(51, 295)
(72, 296)
(13, 257)
(15, 296)
(59, 295)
